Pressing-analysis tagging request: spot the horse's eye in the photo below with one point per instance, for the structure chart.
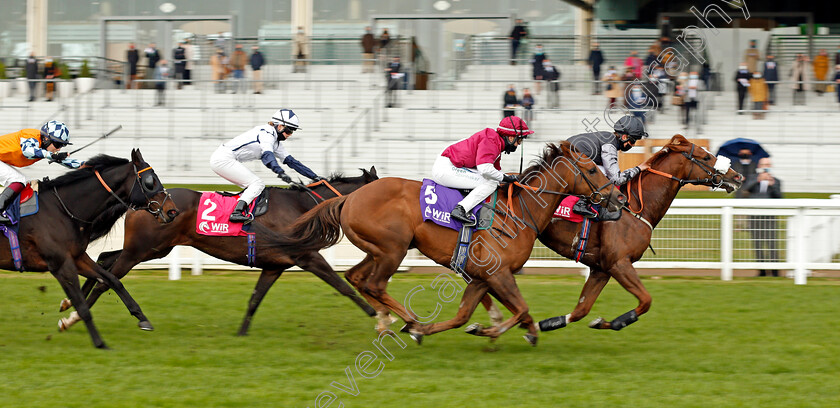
(707, 158)
(592, 170)
(149, 183)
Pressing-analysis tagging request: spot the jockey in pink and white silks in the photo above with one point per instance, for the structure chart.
(260, 143)
(475, 163)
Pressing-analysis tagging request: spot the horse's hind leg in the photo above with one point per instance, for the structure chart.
(315, 263)
(591, 289)
(357, 276)
(474, 293)
(495, 314)
(69, 281)
(626, 275)
(264, 283)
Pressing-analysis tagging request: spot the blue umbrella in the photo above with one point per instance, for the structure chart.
(730, 148)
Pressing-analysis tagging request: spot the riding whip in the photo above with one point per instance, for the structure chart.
(114, 130)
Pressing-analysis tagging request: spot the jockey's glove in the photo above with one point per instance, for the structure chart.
(285, 177)
(58, 156)
(510, 178)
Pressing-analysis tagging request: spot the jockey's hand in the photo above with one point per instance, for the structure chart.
(317, 179)
(58, 156)
(510, 178)
(643, 167)
(285, 177)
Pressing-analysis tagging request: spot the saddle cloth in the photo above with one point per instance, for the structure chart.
(437, 201)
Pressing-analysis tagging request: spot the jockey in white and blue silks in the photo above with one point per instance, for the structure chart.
(260, 143)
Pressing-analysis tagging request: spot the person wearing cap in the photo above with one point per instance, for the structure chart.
(474, 164)
(603, 147)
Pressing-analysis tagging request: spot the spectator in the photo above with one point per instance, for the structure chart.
(527, 102)
(237, 63)
(666, 30)
(218, 67)
(634, 63)
(751, 56)
(742, 78)
(301, 50)
(368, 43)
(550, 76)
(179, 55)
(510, 102)
(257, 61)
(800, 79)
(50, 72)
(161, 75)
(221, 41)
(614, 88)
(763, 228)
(32, 75)
(837, 81)
(820, 71)
(692, 95)
(636, 100)
(746, 166)
(384, 40)
(662, 81)
(650, 60)
(771, 74)
(706, 76)
(153, 56)
(596, 58)
(758, 93)
(393, 75)
(189, 54)
(132, 56)
(537, 62)
(681, 92)
(519, 31)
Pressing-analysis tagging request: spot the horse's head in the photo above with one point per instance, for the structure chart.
(595, 183)
(148, 193)
(690, 164)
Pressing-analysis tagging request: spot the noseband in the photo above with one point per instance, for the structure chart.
(152, 206)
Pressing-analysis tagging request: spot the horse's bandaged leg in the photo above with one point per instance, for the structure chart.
(624, 320)
(553, 323)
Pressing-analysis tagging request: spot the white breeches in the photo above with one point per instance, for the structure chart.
(225, 164)
(446, 174)
(10, 174)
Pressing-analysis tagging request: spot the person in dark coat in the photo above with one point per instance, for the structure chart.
(537, 62)
(257, 61)
(393, 81)
(179, 57)
(596, 58)
(742, 79)
(763, 228)
(771, 73)
(31, 74)
(519, 31)
(132, 56)
(368, 44)
(510, 101)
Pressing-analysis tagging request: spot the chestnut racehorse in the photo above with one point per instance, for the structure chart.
(615, 245)
(384, 220)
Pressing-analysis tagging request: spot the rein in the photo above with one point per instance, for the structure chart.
(308, 189)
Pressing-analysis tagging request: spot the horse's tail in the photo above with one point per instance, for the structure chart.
(318, 228)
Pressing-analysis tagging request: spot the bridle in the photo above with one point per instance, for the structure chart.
(313, 194)
(714, 176)
(152, 206)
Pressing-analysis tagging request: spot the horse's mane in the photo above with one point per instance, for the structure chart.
(99, 162)
(101, 224)
(548, 155)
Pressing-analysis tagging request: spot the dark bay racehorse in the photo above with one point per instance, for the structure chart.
(384, 220)
(146, 239)
(79, 207)
(615, 245)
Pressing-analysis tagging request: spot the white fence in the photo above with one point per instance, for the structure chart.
(798, 235)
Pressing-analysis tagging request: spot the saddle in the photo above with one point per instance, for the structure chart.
(22, 206)
(437, 201)
(260, 204)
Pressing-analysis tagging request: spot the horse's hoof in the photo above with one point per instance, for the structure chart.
(405, 329)
(474, 329)
(531, 339)
(65, 304)
(416, 337)
(596, 324)
(61, 326)
(145, 325)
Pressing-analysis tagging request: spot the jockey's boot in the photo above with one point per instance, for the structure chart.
(460, 214)
(6, 198)
(240, 213)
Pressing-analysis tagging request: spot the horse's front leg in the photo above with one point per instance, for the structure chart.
(591, 289)
(496, 317)
(474, 292)
(90, 269)
(626, 275)
(503, 287)
(68, 277)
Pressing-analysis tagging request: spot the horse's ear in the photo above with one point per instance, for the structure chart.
(136, 156)
(373, 172)
(678, 139)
